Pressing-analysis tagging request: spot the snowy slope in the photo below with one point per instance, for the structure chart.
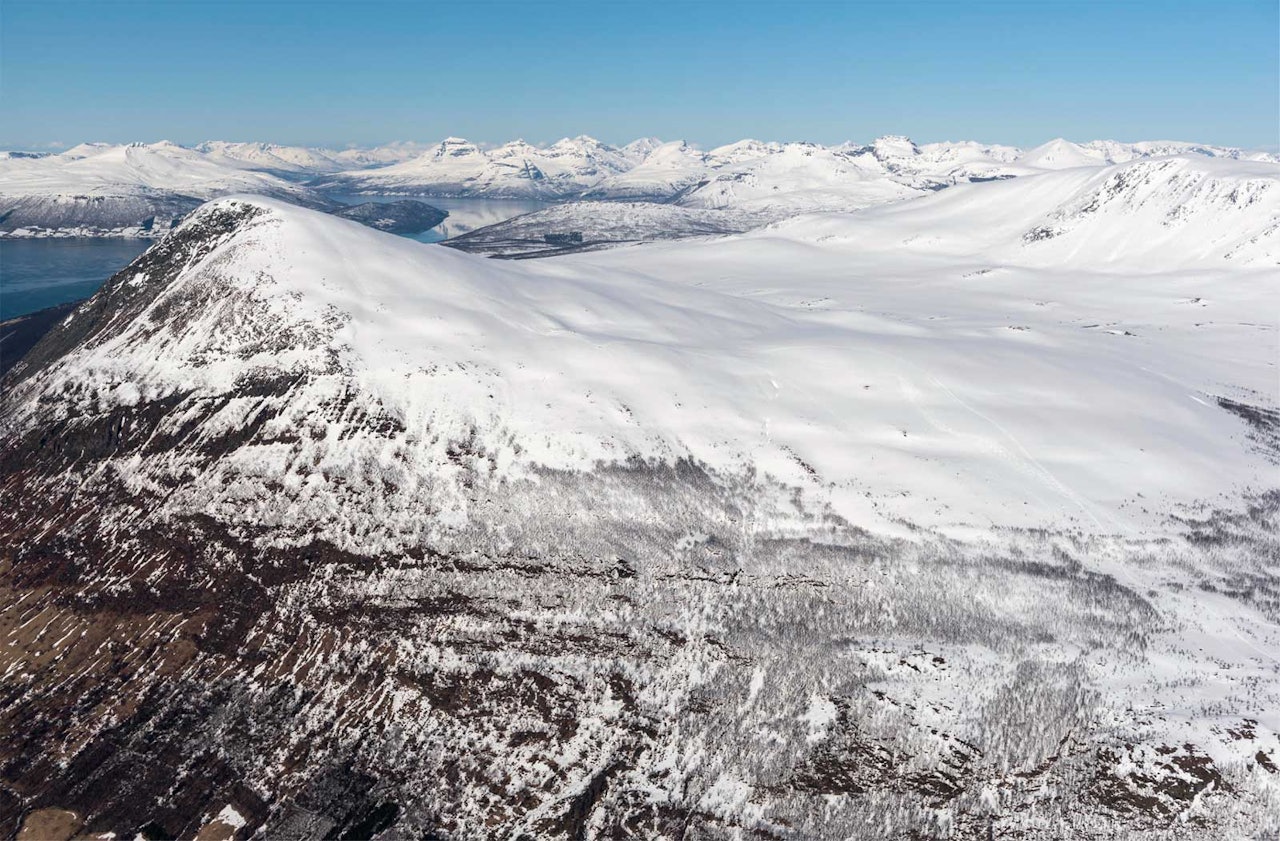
(142, 167)
(813, 177)
(783, 180)
(967, 285)
(935, 165)
(821, 321)
(1063, 154)
(301, 161)
(458, 168)
(752, 183)
(860, 525)
(130, 185)
(376, 156)
(664, 172)
(271, 157)
(1142, 216)
(123, 190)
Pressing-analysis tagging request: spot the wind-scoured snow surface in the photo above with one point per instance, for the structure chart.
(939, 518)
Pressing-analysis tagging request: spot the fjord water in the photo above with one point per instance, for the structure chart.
(40, 273)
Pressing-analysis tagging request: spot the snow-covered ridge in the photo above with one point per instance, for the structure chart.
(635, 510)
(918, 351)
(142, 189)
(1154, 206)
(149, 167)
(306, 161)
(777, 179)
(271, 157)
(1146, 215)
(456, 167)
(124, 190)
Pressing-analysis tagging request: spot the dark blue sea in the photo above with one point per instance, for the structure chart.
(39, 273)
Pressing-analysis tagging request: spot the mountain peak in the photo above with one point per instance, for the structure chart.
(895, 145)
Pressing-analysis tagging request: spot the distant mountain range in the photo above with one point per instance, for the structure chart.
(139, 190)
(649, 170)
(144, 189)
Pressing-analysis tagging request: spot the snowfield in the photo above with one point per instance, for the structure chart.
(1009, 354)
(155, 167)
(459, 168)
(951, 513)
(135, 190)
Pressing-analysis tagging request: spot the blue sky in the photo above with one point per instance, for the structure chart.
(340, 73)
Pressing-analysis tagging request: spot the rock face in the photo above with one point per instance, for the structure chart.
(257, 580)
(399, 217)
(19, 335)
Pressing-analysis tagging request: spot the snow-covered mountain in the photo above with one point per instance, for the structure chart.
(140, 189)
(637, 150)
(954, 516)
(143, 190)
(786, 179)
(384, 155)
(270, 157)
(459, 168)
(588, 225)
(935, 165)
(307, 161)
(773, 181)
(751, 184)
(667, 170)
(1063, 154)
(159, 166)
(1151, 215)
(123, 190)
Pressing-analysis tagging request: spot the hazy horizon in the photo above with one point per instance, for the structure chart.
(711, 73)
(62, 146)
